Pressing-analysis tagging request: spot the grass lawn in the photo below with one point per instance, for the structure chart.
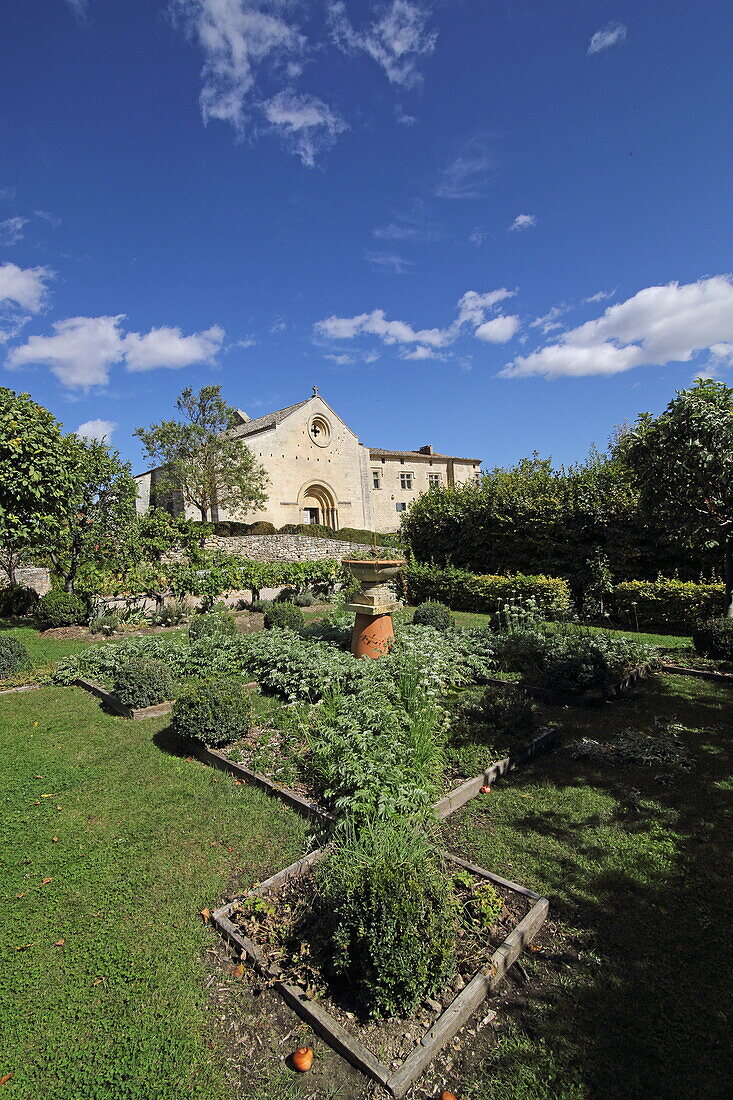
(134, 842)
(667, 641)
(636, 863)
(43, 651)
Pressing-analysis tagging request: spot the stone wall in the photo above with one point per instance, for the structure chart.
(286, 547)
(32, 577)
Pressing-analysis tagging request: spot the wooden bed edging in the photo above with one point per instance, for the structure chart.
(569, 697)
(110, 700)
(468, 790)
(302, 805)
(700, 673)
(452, 1019)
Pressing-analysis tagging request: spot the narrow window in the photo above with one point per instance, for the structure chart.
(376, 479)
(405, 481)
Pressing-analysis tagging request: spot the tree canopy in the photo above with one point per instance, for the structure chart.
(202, 460)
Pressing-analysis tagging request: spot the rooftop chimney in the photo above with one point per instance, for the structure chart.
(426, 450)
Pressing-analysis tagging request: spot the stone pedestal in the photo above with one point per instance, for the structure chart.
(373, 605)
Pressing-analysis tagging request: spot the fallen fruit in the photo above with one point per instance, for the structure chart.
(303, 1059)
(484, 790)
(448, 1096)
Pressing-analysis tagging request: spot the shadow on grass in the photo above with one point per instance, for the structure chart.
(637, 864)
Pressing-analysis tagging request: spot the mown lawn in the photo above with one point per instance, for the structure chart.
(102, 964)
(42, 650)
(667, 641)
(636, 863)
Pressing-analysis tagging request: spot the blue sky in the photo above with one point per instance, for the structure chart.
(491, 225)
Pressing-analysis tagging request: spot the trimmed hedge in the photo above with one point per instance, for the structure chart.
(17, 600)
(432, 613)
(59, 608)
(210, 623)
(714, 638)
(484, 593)
(216, 712)
(143, 682)
(667, 603)
(284, 616)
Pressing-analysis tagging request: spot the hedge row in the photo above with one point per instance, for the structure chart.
(486, 593)
(667, 603)
(227, 528)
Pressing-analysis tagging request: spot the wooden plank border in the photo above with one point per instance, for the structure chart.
(451, 1020)
(699, 673)
(110, 700)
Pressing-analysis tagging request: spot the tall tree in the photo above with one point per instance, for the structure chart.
(684, 461)
(202, 460)
(34, 476)
(99, 508)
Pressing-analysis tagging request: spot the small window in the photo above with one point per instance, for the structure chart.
(376, 479)
(405, 481)
(433, 479)
(401, 506)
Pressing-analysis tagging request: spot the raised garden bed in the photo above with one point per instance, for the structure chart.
(523, 915)
(548, 695)
(111, 701)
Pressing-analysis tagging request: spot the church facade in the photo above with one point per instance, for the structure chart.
(319, 472)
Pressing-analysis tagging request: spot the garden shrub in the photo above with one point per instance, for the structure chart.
(211, 623)
(104, 621)
(14, 657)
(285, 616)
(666, 603)
(304, 599)
(432, 613)
(393, 917)
(463, 591)
(171, 614)
(216, 712)
(481, 715)
(143, 682)
(577, 661)
(17, 600)
(714, 638)
(59, 608)
(262, 527)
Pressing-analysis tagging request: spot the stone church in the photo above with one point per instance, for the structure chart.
(320, 473)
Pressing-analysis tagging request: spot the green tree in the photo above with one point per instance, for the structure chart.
(98, 512)
(34, 476)
(202, 459)
(683, 459)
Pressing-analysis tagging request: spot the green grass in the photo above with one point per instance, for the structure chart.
(667, 641)
(135, 842)
(636, 864)
(43, 651)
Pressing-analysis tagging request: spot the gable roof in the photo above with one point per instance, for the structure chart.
(270, 420)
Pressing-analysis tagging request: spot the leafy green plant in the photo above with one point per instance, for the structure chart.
(575, 660)
(217, 712)
(212, 623)
(487, 903)
(14, 657)
(666, 603)
(714, 638)
(104, 621)
(17, 600)
(171, 614)
(59, 608)
(143, 682)
(432, 613)
(285, 616)
(392, 914)
(464, 591)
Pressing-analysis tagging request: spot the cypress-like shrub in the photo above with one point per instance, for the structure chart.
(714, 638)
(284, 615)
(17, 600)
(216, 712)
(143, 682)
(58, 608)
(435, 614)
(14, 657)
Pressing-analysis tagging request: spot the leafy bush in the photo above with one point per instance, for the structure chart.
(143, 683)
(714, 638)
(667, 603)
(211, 623)
(481, 715)
(58, 608)
(171, 614)
(432, 613)
(392, 914)
(262, 527)
(285, 616)
(215, 712)
(576, 661)
(464, 591)
(104, 621)
(17, 600)
(304, 599)
(14, 657)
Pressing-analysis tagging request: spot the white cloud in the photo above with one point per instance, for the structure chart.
(523, 221)
(83, 349)
(79, 7)
(168, 347)
(660, 324)
(100, 430)
(11, 230)
(80, 352)
(411, 228)
(607, 36)
(306, 124)
(498, 331)
(478, 235)
(472, 309)
(390, 262)
(466, 175)
(396, 41)
(403, 117)
(599, 296)
(24, 287)
(549, 321)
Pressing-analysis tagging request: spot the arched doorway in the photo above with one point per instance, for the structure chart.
(318, 505)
